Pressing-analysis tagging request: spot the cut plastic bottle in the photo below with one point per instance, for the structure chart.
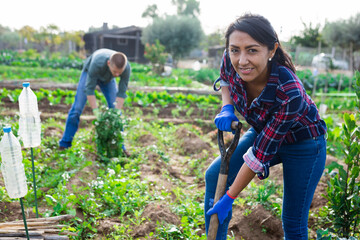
(29, 122)
(11, 166)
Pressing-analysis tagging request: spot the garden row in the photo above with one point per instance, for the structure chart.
(30, 65)
(334, 102)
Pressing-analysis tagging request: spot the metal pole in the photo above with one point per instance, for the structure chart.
(24, 218)
(34, 182)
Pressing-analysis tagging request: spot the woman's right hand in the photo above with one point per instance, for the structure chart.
(224, 119)
(222, 207)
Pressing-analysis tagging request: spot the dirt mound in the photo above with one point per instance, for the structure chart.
(147, 140)
(53, 132)
(190, 143)
(155, 167)
(259, 224)
(11, 211)
(154, 213)
(106, 226)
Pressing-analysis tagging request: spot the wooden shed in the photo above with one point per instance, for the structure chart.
(126, 40)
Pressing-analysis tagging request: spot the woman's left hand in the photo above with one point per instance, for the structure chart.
(224, 119)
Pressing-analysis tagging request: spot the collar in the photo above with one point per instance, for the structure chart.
(269, 93)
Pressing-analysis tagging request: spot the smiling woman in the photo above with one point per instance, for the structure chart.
(250, 61)
(258, 78)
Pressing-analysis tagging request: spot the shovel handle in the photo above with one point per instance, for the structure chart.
(234, 125)
(214, 221)
(223, 175)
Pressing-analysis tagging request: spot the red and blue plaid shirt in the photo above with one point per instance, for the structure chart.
(282, 113)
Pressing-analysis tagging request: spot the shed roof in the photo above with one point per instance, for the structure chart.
(116, 30)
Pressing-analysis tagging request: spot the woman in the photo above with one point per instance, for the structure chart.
(258, 78)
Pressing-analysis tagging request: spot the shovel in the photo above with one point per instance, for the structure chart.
(223, 174)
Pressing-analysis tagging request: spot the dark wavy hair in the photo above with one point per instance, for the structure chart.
(260, 29)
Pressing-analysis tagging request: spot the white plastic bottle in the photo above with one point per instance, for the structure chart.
(11, 166)
(29, 122)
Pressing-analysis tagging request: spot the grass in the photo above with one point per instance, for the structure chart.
(115, 190)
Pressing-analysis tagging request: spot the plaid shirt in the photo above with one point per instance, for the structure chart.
(282, 113)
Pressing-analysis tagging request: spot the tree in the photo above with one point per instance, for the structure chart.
(50, 36)
(8, 38)
(353, 26)
(151, 11)
(179, 34)
(187, 7)
(27, 33)
(335, 33)
(75, 38)
(309, 37)
(344, 33)
(213, 39)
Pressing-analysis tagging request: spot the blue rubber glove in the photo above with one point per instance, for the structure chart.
(224, 119)
(222, 207)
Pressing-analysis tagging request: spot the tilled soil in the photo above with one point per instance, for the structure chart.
(259, 224)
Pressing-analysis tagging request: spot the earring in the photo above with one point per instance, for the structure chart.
(269, 59)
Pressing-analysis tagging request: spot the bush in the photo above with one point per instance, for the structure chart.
(344, 188)
(156, 55)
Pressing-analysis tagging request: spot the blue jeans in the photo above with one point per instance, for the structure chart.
(303, 164)
(72, 123)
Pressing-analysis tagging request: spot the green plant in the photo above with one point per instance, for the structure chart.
(327, 235)
(56, 75)
(31, 58)
(263, 194)
(109, 133)
(3, 196)
(206, 75)
(156, 55)
(334, 145)
(168, 232)
(344, 188)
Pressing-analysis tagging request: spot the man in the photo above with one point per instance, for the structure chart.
(100, 69)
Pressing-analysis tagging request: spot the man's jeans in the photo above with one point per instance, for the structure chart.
(303, 164)
(72, 123)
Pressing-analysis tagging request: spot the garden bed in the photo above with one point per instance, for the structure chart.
(166, 171)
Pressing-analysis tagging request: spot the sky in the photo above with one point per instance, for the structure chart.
(286, 16)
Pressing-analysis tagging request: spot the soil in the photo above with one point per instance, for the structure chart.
(154, 213)
(260, 223)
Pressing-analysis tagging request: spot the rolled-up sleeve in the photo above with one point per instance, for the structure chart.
(254, 164)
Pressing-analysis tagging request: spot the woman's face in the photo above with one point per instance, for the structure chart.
(249, 57)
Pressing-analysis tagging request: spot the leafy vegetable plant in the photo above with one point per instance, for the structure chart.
(109, 133)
